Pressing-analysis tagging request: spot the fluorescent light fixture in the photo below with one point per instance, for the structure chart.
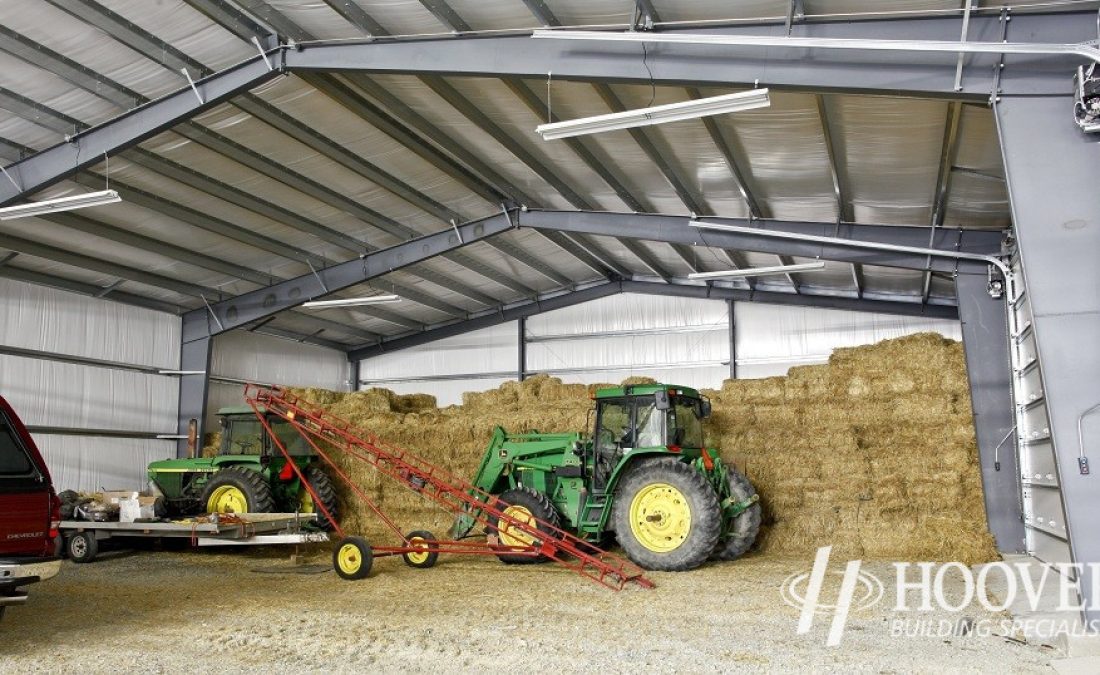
(759, 271)
(351, 302)
(659, 114)
(60, 204)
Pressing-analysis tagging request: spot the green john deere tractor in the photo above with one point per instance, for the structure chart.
(642, 475)
(249, 474)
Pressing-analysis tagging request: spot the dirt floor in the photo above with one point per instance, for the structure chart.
(208, 611)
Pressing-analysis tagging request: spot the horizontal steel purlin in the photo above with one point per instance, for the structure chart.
(679, 230)
(527, 309)
(264, 302)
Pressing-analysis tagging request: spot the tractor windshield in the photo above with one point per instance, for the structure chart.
(289, 437)
(685, 429)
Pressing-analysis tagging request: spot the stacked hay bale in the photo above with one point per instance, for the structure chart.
(872, 453)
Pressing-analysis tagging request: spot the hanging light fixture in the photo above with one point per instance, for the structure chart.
(351, 302)
(758, 271)
(60, 204)
(660, 114)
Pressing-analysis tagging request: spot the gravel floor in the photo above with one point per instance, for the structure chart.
(204, 611)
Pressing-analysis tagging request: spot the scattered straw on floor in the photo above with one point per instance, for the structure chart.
(873, 453)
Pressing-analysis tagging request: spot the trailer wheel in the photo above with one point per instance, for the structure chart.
(529, 506)
(421, 560)
(352, 558)
(741, 533)
(82, 547)
(667, 516)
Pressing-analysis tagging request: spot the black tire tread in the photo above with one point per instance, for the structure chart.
(706, 522)
(256, 490)
(741, 536)
(432, 557)
(540, 507)
(324, 488)
(91, 551)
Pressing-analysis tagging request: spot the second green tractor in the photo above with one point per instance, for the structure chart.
(643, 476)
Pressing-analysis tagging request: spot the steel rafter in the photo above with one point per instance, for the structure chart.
(603, 290)
(840, 183)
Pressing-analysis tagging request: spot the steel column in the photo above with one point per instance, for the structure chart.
(1051, 171)
(521, 348)
(985, 340)
(733, 339)
(194, 389)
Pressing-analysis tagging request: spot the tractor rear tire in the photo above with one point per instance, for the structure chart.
(242, 486)
(741, 535)
(667, 516)
(322, 485)
(524, 504)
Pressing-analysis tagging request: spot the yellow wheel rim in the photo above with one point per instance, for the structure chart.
(660, 517)
(511, 535)
(305, 501)
(349, 559)
(418, 558)
(227, 499)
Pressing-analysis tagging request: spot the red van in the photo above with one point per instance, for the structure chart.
(30, 512)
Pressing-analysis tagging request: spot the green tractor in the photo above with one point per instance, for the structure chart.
(642, 475)
(249, 474)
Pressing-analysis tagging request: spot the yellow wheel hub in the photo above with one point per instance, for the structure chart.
(418, 558)
(660, 517)
(349, 559)
(227, 499)
(511, 535)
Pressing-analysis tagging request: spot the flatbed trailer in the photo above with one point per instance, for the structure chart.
(81, 537)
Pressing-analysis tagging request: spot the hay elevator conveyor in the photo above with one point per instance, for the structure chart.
(353, 556)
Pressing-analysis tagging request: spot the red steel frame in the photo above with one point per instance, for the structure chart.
(454, 494)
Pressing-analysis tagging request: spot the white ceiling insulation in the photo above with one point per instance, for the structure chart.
(887, 156)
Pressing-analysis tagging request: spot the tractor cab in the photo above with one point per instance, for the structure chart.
(647, 418)
(243, 434)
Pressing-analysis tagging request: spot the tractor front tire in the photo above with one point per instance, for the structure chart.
(740, 535)
(322, 485)
(667, 516)
(236, 489)
(529, 506)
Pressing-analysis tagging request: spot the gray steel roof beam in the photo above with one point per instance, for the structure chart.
(734, 156)
(90, 290)
(482, 121)
(446, 15)
(840, 183)
(230, 17)
(857, 279)
(298, 337)
(948, 154)
(692, 201)
(788, 260)
(679, 229)
(739, 262)
(256, 305)
(421, 298)
(577, 251)
(525, 258)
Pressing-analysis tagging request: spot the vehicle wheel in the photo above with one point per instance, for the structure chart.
(352, 558)
(741, 533)
(237, 490)
(322, 485)
(422, 539)
(667, 516)
(525, 505)
(82, 547)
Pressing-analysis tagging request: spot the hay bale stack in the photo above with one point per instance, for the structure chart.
(872, 453)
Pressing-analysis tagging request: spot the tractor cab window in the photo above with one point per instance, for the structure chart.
(289, 437)
(650, 433)
(615, 429)
(685, 428)
(244, 436)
